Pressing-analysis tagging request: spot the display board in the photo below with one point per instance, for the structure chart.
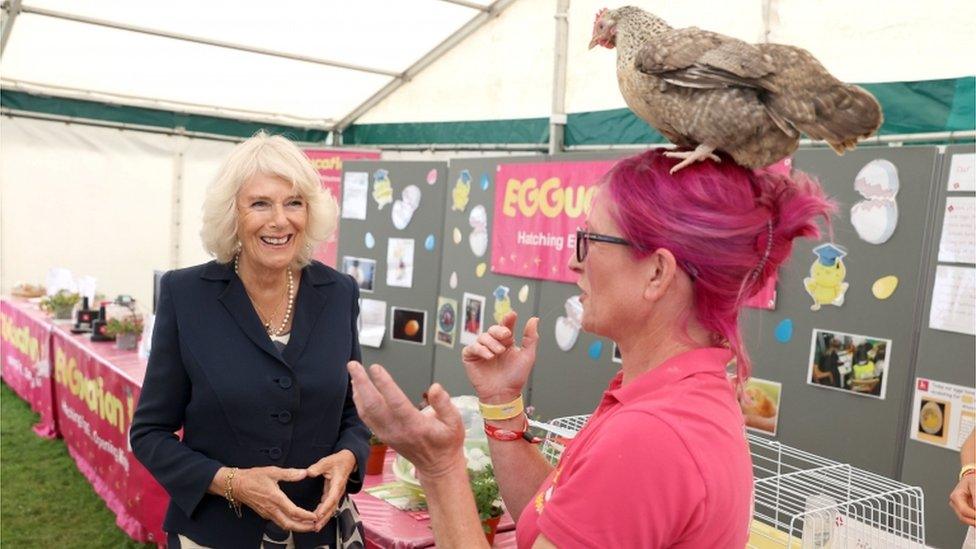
(391, 225)
(943, 356)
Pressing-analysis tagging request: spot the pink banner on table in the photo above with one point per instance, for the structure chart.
(537, 210)
(328, 162)
(25, 345)
(96, 391)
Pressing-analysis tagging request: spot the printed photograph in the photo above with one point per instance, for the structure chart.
(849, 362)
(362, 270)
(474, 315)
(409, 325)
(760, 405)
(446, 321)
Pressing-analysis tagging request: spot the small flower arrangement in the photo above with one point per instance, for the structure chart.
(131, 324)
(60, 304)
(485, 490)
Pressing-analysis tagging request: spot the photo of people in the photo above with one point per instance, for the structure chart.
(474, 315)
(760, 405)
(849, 362)
(362, 270)
(409, 325)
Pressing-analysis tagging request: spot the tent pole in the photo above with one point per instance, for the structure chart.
(13, 10)
(557, 119)
(471, 5)
(201, 40)
(493, 10)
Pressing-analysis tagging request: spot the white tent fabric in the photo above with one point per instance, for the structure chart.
(503, 70)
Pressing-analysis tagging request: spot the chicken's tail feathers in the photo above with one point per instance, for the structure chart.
(845, 115)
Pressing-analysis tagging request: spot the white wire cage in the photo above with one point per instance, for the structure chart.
(802, 500)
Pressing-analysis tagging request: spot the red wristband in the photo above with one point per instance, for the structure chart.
(507, 435)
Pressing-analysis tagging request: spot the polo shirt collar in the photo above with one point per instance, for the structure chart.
(689, 363)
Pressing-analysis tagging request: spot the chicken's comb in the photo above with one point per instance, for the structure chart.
(600, 14)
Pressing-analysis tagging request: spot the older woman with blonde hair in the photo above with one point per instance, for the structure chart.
(248, 359)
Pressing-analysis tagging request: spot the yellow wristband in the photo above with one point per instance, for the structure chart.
(968, 468)
(502, 411)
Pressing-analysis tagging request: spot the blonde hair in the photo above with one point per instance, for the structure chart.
(270, 155)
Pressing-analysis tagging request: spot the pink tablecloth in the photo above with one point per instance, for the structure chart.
(25, 361)
(388, 527)
(96, 390)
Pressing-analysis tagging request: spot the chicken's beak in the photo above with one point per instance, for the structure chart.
(594, 42)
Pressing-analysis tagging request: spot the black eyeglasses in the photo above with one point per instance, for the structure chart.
(583, 238)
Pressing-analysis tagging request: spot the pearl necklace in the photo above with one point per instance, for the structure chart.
(291, 300)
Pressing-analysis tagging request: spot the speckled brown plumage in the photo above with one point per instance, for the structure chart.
(751, 101)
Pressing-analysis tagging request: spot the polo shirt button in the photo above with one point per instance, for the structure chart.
(274, 453)
(284, 416)
(284, 382)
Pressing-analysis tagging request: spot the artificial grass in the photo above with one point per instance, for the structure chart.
(44, 499)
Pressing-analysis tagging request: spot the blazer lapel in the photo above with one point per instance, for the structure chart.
(234, 298)
(309, 305)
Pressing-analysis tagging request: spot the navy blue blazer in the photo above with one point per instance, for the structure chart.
(214, 372)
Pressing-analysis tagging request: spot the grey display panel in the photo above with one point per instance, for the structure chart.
(942, 356)
(410, 364)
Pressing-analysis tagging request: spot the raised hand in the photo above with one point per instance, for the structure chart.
(432, 441)
(498, 367)
(258, 488)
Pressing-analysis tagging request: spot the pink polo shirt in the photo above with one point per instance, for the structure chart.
(663, 462)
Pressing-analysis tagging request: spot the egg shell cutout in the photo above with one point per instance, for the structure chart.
(456, 236)
(574, 310)
(884, 287)
(411, 194)
(480, 270)
(523, 294)
(875, 218)
(595, 349)
(453, 281)
(401, 214)
(369, 241)
(430, 242)
(432, 177)
(478, 240)
(566, 333)
(485, 182)
(478, 218)
(784, 330)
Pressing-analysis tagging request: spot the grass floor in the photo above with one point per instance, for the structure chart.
(44, 499)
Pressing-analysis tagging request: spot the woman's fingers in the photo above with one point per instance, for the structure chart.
(491, 342)
(369, 402)
(398, 404)
(530, 335)
(502, 334)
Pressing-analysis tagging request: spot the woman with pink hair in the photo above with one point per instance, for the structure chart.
(665, 263)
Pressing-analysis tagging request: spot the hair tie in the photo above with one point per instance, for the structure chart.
(769, 248)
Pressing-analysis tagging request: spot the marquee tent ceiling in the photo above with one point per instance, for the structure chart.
(307, 63)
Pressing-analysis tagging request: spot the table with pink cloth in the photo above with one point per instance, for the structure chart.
(25, 359)
(389, 527)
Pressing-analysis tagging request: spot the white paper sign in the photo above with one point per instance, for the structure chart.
(372, 322)
(355, 188)
(399, 262)
(943, 414)
(958, 242)
(954, 300)
(962, 172)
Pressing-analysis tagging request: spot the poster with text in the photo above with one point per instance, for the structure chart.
(538, 208)
(328, 162)
(943, 414)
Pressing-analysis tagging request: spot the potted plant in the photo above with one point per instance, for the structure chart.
(377, 456)
(487, 500)
(60, 304)
(126, 331)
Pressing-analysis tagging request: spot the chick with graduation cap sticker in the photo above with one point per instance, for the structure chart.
(826, 281)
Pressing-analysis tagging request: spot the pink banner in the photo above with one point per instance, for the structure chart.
(25, 344)
(328, 162)
(96, 390)
(537, 210)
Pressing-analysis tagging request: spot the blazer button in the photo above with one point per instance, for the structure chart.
(284, 416)
(274, 453)
(284, 382)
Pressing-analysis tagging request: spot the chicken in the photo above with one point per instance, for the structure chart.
(708, 92)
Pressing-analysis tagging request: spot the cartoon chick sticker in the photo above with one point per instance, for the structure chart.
(503, 304)
(382, 188)
(826, 281)
(461, 192)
